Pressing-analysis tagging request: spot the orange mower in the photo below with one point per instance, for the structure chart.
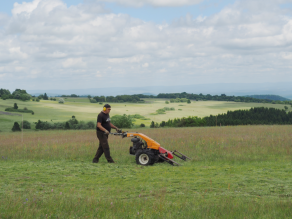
(148, 151)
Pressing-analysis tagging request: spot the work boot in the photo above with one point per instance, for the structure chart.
(95, 160)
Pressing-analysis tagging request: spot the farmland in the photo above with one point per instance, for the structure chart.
(236, 172)
(52, 111)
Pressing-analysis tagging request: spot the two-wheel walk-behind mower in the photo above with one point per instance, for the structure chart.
(150, 151)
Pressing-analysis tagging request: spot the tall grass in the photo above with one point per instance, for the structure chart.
(228, 144)
(236, 172)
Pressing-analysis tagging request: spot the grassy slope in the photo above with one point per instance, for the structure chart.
(236, 172)
(83, 110)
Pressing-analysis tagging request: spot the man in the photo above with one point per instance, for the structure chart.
(103, 128)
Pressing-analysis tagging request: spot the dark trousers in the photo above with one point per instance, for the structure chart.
(103, 148)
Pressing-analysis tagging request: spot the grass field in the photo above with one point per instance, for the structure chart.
(47, 110)
(236, 172)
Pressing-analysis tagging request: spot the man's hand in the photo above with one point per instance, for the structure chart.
(118, 130)
(106, 132)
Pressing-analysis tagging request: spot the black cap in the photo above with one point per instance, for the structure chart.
(107, 106)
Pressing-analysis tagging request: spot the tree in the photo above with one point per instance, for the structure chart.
(16, 127)
(67, 126)
(4, 94)
(124, 121)
(152, 125)
(26, 125)
(61, 100)
(15, 106)
(188, 101)
(89, 96)
(45, 96)
(286, 108)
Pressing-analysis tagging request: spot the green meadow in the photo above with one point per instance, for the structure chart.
(235, 172)
(52, 111)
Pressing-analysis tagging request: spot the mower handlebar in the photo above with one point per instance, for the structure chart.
(123, 134)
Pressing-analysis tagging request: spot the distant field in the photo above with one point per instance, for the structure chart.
(47, 110)
(236, 172)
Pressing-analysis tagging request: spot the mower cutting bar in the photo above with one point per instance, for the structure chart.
(183, 157)
(170, 161)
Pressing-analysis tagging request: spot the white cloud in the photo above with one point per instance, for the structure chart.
(16, 51)
(287, 56)
(98, 74)
(155, 3)
(45, 42)
(74, 62)
(25, 7)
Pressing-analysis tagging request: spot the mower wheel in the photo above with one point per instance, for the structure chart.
(145, 157)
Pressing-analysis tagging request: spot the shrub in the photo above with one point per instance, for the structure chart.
(44, 125)
(67, 126)
(92, 101)
(160, 111)
(15, 106)
(90, 125)
(138, 116)
(168, 109)
(16, 127)
(124, 121)
(142, 125)
(188, 101)
(26, 125)
(32, 113)
(166, 102)
(37, 100)
(71, 122)
(25, 108)
(18, 110)
(61, 100)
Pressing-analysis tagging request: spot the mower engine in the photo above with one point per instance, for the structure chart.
(137, 145)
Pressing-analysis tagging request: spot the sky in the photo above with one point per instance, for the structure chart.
(79, 44)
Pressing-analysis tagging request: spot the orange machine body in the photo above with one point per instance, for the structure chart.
(150, 142)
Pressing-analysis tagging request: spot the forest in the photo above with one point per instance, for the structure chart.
(253, 116)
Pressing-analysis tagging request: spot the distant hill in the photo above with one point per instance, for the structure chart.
(268, 97)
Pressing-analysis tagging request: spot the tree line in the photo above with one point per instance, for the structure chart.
(222, 97)
(136, 98)
(253, 116)
(269, 97)
(117, 99)
(17, 94)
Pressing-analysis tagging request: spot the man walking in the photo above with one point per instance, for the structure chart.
(103, 128)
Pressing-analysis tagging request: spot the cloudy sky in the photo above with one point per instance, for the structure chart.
(66, 44)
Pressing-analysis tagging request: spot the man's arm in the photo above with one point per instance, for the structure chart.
(114, 127)
(100, 127)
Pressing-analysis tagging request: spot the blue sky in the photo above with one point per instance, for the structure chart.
(148, 13)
